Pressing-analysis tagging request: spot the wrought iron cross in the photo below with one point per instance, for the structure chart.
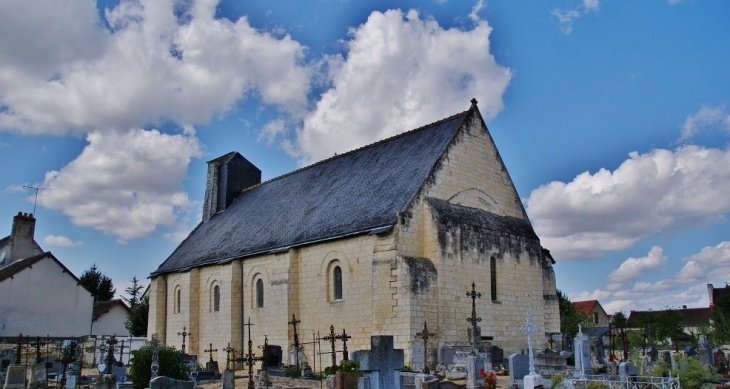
(293, 323)
(332, 338)
(38, 345)
(250, 359)
(529, 329)
(344, 337)
(228, 355)
(473, 320)
(425, 335)
(263, 348)
(121, 350)
(211, 351)
(184, 333)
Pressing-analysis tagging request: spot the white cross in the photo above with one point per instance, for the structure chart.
(529, 329)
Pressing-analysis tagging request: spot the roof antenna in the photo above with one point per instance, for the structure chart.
(37, 188)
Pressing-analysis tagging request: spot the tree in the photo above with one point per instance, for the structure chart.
(139, 309)
(569, 318)
(720, 325)
(668, 325)
(621, 322)
(99, 285)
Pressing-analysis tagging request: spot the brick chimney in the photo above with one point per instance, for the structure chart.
(21, 239)
(228, 176)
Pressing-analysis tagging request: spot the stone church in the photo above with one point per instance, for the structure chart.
(375, 241)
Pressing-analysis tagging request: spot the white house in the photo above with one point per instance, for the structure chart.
(109, 318)
(39, 296)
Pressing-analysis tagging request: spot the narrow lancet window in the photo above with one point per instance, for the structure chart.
(216, 298)
(259, 293)
(337, 275)
(493, 277)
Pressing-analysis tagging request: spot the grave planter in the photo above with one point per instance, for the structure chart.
(346, 380)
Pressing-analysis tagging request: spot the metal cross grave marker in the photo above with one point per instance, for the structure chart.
(473, 320)
(184, 333)
(332, 338)
(294, 323)
(425, 335)
(344, 337)
(228, 351)
(250, 359)
(211, 350)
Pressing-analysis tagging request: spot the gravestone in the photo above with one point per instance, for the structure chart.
(191, 361)
(303, 361)
(445, 355)
(720, 361)
(705, 351)
(272, 356)
(7, 357)
(163, 382)
(497, 356)
(519, 367)
(417, 356)
(582, 351)
(382, 363)
(667, 357)
(229, 379)
(626, 370)
(652, 353)
(15, 377)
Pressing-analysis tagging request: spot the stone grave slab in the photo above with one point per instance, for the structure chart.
(272, 356)
(446, 355)
(15, 377)
(519, 367)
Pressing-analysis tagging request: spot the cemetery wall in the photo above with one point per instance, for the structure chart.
(44, 300)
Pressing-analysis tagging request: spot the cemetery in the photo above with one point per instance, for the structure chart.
(327, 362)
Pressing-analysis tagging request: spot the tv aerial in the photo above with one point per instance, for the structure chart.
(37, 189)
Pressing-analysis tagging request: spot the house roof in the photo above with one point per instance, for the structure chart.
(357, 192)
(20, 265)
(102, 307)
(691, 317)
(584, 307)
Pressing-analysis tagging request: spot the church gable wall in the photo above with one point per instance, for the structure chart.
(471, 174)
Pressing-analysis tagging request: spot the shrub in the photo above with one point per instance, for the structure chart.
(596, 385)
(169, 359)
(556, 380)
(293, 372)
(692, 374)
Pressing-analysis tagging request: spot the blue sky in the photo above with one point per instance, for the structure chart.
(612, 118)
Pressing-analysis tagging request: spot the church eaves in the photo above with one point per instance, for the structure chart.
(352, 193)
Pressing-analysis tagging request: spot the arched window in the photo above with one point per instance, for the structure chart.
(493, 277)
(179, 293)
(216, 298)
(259, 293)
(337, 282)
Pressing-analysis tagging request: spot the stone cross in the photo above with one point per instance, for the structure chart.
(211, 350)
(529, 329)
(228, 355)
(382, 363)
(294, 323)
(332, 338)
(425, 335)
(184, 333)
(580, 340)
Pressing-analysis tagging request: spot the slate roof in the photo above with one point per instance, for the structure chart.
(348, 194)
(102, 307)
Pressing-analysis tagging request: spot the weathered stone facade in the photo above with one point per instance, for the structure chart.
(465, 223)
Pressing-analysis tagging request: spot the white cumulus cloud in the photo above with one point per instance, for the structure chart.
(662, 191)
(707, 117)
(160, 60)
(400, 72)
(566, 17)
(634, 267)
(125, 184)
(61, 241)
